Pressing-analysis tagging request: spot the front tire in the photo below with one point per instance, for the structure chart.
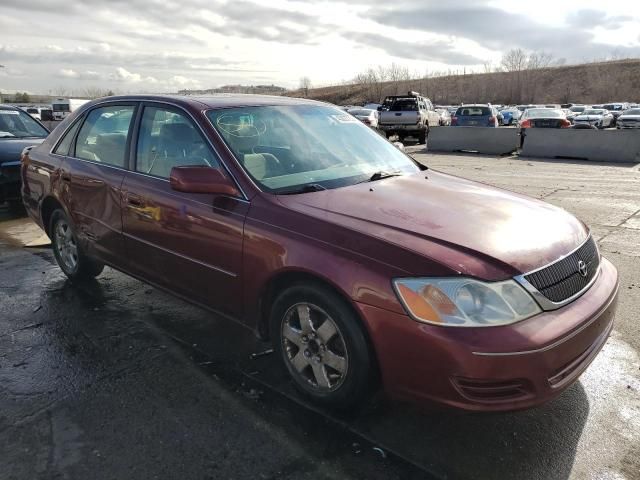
(71, 259)
(323, 345)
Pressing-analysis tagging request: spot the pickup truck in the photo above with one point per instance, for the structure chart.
(408, 115)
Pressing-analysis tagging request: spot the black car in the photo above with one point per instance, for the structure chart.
(17, 131)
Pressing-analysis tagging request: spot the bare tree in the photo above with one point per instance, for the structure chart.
(305, 85)
(96, 92)
(60, 91)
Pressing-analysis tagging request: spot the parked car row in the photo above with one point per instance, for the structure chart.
(412, 115)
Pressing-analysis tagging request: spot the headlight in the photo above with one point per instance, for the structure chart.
(464, 302)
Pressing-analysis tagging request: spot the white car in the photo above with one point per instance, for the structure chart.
(629, 119)
(365, 115)
(33, 111)
(594, 117)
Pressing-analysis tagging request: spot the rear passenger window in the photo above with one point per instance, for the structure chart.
(169, 139)
(103, 136)
(65, 144)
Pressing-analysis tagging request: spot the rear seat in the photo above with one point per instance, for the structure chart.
(110, 147)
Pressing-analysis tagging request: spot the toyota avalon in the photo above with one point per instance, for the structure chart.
(364, 268)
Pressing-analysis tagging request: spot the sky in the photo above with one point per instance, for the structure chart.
(167, 45)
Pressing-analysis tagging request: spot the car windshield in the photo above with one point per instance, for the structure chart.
(285, 148)
(543, 113)
(578, 109)
(633, 111)
(473, 111)
(613, 106)
(19, 124)
(60, 107)
(593, 112)
(32, 110)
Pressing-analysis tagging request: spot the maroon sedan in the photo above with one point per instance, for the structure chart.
(363, 267)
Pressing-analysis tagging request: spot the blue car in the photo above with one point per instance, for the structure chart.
(475, 116)
(510, 116)
(17, 131)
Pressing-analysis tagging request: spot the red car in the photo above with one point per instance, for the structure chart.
(363, 267)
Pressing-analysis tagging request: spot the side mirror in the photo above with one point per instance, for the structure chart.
(380, 108)
(201, 180)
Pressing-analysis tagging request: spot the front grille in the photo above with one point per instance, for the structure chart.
(562, 280)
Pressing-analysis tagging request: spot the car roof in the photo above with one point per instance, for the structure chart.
(221, 100)
(8, 107)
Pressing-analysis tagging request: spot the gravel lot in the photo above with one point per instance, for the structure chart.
(114, 379)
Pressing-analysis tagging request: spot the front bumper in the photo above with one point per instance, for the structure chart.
(496, 368)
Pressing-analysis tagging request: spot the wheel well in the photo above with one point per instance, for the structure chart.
(284, 280)
(49, 205)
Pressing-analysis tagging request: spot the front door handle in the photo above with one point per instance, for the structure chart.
(140, 207)
(134, 200)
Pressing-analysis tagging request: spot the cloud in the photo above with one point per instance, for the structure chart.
(86, 75)
(238, 18)
(435, 51)
(491, 27)
(168, 43)
(123, 75)
(68, 73)
(101, 57)
(596, 18)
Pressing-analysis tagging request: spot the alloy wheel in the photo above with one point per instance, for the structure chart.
(66, 245)
(314, 347)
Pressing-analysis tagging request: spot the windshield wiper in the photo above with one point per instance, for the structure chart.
(379, 175)
(309, 187)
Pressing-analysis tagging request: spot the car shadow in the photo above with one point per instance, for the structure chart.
(530, 444)
(539, 443)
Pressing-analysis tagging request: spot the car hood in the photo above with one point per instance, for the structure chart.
(421, 210)
(629, 117)
(11, 148)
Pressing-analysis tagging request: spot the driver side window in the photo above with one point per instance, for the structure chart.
(169, 139)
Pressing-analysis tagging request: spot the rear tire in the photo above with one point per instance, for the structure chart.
(71, 259)
(323, 345)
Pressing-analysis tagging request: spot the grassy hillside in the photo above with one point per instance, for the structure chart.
(587, 83)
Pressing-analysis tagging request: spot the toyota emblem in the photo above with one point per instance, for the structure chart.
(582, 268)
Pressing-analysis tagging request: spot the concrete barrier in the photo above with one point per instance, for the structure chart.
(493, 141)
(595, 145)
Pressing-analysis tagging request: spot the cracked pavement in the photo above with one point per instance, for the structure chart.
(115, 379)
